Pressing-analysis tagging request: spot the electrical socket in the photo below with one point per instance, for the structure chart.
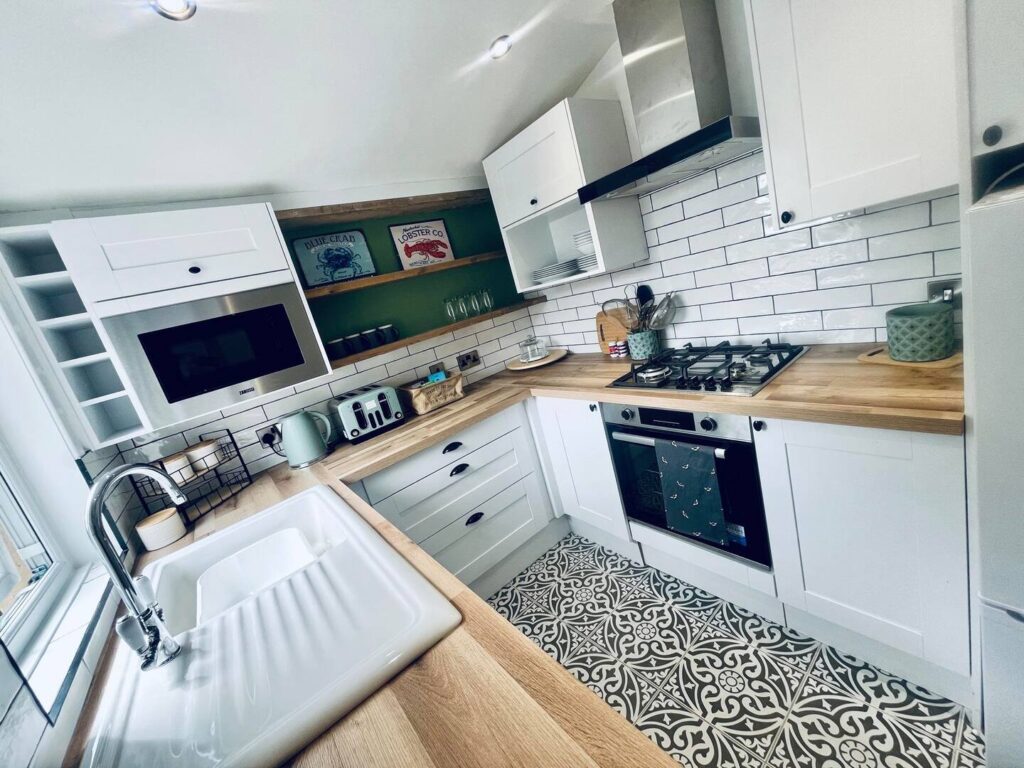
(469, 359)
(436, 367)
(269, 436)
(936, 287)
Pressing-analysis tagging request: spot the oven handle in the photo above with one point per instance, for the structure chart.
(625, 437)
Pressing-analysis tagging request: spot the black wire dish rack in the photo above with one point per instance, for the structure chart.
(209, 473)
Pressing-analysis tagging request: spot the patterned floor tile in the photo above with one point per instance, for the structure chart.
(715, 685)
(898, 698)
(690, 740)
(828, 728)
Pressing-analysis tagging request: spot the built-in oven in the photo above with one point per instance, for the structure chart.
(191, 358)
(693, 475)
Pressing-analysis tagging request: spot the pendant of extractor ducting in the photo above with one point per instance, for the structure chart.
(679, 93)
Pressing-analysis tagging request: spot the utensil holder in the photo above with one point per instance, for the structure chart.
(643, 344)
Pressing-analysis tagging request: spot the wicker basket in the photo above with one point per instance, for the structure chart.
(430, 397)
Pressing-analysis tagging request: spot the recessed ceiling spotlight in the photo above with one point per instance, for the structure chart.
(176, 10)
(501, 46)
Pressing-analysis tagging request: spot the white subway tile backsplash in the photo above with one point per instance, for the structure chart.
(637, 274)
(721, 197)
(744, 308)
(818, 258)
(652, 237)
(737, 233)
(710, 295)
(728, 327)
(772, 286)
(576, 300)
(757, 208)
(946, 209)
(900, 292)
(857, 317)
(694, 262)
(744, 270)
(902, 268)
(872, 224)
(798, 321)
(690, 226)
(682, 190)
(857, 296)
(671, 250)
(592, 284)
(297, 402)
(948, 262)
(859, 336)
(935, 238)
(769, 246)
(662, 216)
(745, 167)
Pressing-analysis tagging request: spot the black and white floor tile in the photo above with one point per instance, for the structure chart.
(717, 686)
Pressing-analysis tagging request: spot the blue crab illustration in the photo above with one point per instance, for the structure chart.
(337, 259)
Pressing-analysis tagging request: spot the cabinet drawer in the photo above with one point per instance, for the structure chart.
(428, 505)
(506, 520)
(117, 256)
(405, 473)
(537, 168)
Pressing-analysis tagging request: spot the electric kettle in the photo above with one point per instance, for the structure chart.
(303, 440)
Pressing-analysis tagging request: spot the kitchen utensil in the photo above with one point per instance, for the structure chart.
(160, 529)
(920, 333)
(643, 295)
(663, 314)
(304, 438)
(643, 344)
(553, 356)
(612, 325)
(880, 356)
(532, 349)
(632, 320)
(367, 411)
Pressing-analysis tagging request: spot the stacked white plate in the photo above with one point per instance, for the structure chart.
(556, 271)
(587, 263)
(584, 242)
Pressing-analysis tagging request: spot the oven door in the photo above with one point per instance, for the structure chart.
(189, 359)
(639, 477)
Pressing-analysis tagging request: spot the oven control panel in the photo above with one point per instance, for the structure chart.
(725, 426)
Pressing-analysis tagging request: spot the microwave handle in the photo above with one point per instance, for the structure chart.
(625, 437)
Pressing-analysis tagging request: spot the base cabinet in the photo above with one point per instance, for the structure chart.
(572, 434)
(868, 531)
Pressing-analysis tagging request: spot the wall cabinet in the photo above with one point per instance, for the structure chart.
(996, 60)
(534, 178)
(868, 531)
(856, 101)
(572, 432)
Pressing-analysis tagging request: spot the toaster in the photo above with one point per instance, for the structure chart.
(367, 411)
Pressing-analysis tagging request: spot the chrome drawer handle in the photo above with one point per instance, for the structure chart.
(476, 517)
(458, 469)
(452, 447)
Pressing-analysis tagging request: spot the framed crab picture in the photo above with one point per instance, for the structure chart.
(422, 244)
(333, 257)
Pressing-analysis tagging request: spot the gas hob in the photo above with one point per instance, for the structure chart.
(727, 369)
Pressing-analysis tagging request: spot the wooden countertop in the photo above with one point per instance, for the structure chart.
(484, 696)
(825, 385)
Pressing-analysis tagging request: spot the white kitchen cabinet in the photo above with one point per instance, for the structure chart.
(995, 63)
(868, 530)
(534, 178)
(581, 471)
(112, 257)
(856, 101)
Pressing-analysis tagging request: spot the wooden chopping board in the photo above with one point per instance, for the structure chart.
(611, 326)
(880, 356)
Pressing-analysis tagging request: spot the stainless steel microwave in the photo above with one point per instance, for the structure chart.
(195, 357)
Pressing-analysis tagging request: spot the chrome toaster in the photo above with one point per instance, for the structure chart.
(367, 411)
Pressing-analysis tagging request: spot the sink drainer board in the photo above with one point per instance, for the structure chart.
(305, 612)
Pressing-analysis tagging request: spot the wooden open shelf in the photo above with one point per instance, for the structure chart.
(377, 209)
(391, 277)
(365, 355)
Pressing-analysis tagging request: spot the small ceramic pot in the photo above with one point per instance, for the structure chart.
(643, 344)
(919, 333)
(160, 529)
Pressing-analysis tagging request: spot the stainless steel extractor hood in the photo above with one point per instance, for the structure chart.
(679, 94)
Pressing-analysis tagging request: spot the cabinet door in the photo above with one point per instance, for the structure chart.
(856, 101)
(537, 168)
(116, 256)
(995, 63)
(581, 463)
(868, 531)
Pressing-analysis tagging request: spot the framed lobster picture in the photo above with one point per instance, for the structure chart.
(333, 257)
(422, 244)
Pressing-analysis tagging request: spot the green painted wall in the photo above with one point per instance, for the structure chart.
(414, 305)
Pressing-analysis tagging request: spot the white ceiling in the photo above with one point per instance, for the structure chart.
(104, 102)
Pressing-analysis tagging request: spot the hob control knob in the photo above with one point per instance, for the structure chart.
(708, 424)
(627, 414)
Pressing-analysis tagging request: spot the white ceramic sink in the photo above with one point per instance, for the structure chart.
(287, 621)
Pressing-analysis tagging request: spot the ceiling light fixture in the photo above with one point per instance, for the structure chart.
(176, 10)
(501, 46)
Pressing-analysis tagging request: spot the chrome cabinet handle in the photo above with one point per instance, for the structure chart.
(476, 517)
(453, 446)
(458, 469)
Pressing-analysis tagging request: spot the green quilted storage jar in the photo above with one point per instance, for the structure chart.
(919, 333)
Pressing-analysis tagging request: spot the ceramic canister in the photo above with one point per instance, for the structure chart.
(919, 333)
(643, 344)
